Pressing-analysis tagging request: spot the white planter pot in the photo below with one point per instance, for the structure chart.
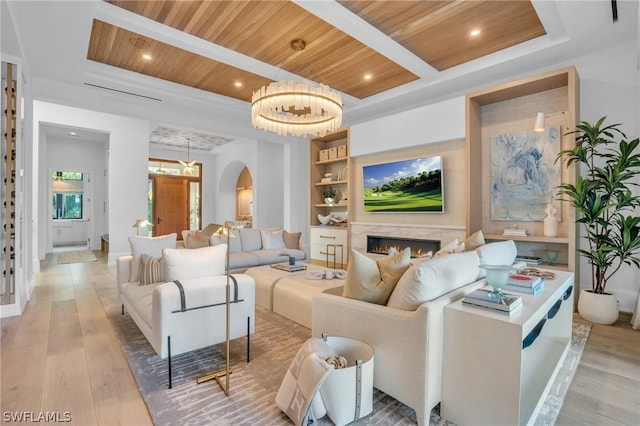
(598, 308)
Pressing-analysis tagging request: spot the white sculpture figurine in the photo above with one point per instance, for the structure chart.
(551, 221)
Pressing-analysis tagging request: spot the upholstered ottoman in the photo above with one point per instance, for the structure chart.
(266, 277)
(293, 296)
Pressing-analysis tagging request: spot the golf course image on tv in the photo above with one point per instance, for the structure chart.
(403, 186)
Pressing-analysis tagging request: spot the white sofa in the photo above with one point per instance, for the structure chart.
(258, 246)
(408, 344)
(172, 326)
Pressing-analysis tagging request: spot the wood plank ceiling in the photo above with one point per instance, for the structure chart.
(435, 31)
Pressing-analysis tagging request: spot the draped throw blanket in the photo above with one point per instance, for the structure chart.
(304, 377)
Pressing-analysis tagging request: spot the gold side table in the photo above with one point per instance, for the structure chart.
(332, 250)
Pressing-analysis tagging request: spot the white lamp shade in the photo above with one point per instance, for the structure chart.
(539, 127)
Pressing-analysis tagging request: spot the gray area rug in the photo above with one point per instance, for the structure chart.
(253, 386)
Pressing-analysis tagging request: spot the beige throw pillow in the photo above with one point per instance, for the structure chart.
(372, 281)
(197, 239)
(474, 241)
(292, 239)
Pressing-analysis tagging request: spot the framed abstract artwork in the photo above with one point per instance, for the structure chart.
(524, 174)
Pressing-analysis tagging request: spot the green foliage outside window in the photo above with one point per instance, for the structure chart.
(67, 206)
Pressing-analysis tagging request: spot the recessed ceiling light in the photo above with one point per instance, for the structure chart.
(73, 133)
(474, 33)
(238, 84)
(146, 56)
(368, 76)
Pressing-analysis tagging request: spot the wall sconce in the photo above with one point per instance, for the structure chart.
(541, 118)
(141, 223)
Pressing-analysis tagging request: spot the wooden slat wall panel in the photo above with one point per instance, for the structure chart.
(110, 45)
(438, 32)
(264, 30)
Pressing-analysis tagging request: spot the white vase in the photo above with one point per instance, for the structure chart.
(551, 221)
(598, 308)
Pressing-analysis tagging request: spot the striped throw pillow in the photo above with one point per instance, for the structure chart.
(152, 269)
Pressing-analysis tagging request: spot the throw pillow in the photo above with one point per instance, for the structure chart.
(198, 239)
(152, 246)
(250, 239)
(210, 229)
(364, 279)
(434, 278)
(474, 241)
(498, 253)
(393, 267)
(151, 269)
(292, 239)
(272, 239)
(453, 247)
(183, 264)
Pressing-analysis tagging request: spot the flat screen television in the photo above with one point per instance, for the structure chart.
(404, 186)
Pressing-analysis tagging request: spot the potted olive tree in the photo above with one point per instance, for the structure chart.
(607, 209)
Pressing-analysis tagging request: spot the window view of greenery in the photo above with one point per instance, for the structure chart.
(67, 195)
(67, 175)
(67, 206)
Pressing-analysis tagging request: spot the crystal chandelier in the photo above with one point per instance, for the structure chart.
(296, 108)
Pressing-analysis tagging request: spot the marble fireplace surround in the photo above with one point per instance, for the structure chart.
(444, 233)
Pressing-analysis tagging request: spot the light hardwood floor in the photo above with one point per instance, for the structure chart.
(62, 355)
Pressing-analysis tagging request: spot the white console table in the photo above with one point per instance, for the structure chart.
(497, 369)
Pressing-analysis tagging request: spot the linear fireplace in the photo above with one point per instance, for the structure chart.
(419, 247)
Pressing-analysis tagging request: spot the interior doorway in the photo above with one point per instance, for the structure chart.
(244, 197)
(174, 198)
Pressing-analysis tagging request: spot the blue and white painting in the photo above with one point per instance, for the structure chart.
(524, 174)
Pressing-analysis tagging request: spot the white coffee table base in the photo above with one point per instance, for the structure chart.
(293, 296)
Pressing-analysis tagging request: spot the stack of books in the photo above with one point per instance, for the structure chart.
(525, 284)
(529, 260)
(515, 231)
(482, 298)
(286, 266)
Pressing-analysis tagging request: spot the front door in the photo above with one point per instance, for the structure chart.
(170, 205)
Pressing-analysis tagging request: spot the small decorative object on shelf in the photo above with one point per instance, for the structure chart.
(529, 260)
(497, 277)
(329, 195)
(324, 220)
(551, 221)
(552, 255)
(514, 230)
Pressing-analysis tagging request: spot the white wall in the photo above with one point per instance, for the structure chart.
(81, 156)
(609, 87)
(268, 186)
(127, 174)
(439, 122)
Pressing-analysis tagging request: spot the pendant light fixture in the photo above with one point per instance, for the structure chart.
(187, 166)
(297, 108)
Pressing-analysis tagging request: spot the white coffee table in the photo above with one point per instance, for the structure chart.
(293, 296)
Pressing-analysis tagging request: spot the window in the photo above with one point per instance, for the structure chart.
(67, 206)
(68, 194)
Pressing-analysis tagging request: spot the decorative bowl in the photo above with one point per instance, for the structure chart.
(497, 275)
(325, 220)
